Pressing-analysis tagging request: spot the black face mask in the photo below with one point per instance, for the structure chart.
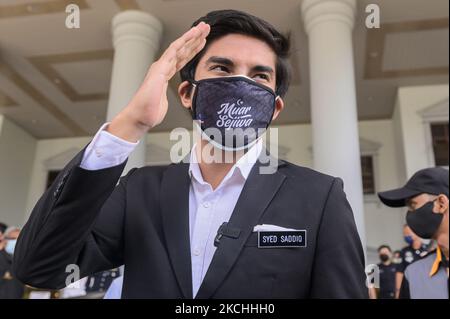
(384, 257)
(232, 112)
(423, 221)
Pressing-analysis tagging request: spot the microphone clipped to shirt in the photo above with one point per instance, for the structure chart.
(226, 231)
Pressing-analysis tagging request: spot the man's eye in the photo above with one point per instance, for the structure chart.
(262, 76)
(220, 68)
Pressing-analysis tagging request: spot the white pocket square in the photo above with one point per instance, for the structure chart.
(266, 227)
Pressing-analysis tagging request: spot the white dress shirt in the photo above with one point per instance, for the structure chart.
(208, 208)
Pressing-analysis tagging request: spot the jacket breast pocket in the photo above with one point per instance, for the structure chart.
(252, 240)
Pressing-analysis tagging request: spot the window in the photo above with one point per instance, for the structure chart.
(439, 136)
(368, 175)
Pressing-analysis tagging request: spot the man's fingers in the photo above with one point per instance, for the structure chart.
(195, 49)
(189, 48)
(186, 52)
(196, 33)
(182, 62)
(193, 44)
(176, 60)
(204, 28)
(190, 35)
(182, 50)
(199, 31)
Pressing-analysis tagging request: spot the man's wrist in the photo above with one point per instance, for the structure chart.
(126, 128)
(106, 150)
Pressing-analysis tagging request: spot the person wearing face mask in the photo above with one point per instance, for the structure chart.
(414, 250)
(396, 257)
(426, 194)
(387, 273)
(200, 228)
(10, 287)
(3, 227)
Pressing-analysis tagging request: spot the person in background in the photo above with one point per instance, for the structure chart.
(396, 257)
(429, 277)
(10, 287)
(387, 274)
(3, 227)
(115, 289)
(426, 196)
(100, 282)
(414, 251)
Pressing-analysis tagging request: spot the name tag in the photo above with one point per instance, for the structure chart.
(281, 239)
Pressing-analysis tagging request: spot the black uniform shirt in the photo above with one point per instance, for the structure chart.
(387, 281)
(10, 287)
(410, 255)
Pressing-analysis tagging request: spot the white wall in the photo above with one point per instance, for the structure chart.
(399, 142)
(383, 224)
(45, 150)
(17, 150)
(410, 102)
(298, 140)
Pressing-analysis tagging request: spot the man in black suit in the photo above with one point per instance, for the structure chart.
(201, 229)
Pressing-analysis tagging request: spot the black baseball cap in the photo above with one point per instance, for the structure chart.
(432, 181)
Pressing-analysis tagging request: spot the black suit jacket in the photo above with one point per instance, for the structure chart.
(143, 223)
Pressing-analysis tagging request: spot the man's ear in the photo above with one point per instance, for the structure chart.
(279, 106)
(185, 90)
(441, 204)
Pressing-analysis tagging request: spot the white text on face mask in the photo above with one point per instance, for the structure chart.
(234, 115)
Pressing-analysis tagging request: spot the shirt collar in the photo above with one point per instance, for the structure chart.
(437, 262)
(244, 165)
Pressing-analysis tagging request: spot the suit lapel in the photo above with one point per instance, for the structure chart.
(256, 195)
(175, 216)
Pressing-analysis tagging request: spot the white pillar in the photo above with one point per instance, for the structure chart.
(136, 39)
(329, 25)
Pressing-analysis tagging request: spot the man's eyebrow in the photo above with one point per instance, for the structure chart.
(230, 63)
(263, 68)
(220, 60)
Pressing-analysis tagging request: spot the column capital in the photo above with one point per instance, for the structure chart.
(136, 25)
(318, 11)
